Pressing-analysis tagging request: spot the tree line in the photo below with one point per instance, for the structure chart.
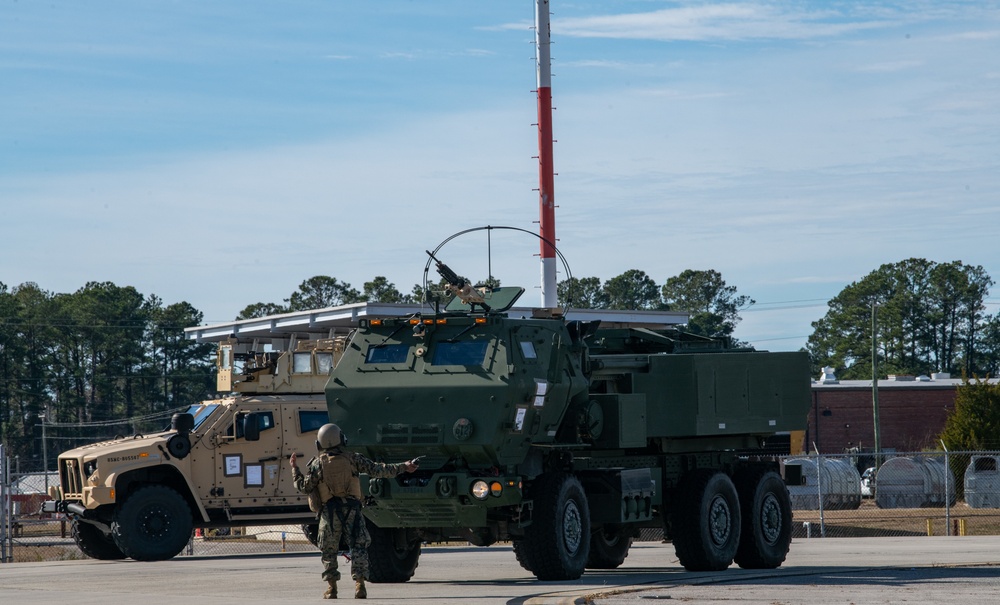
(109, 352)
(103, 352)
(926, 317)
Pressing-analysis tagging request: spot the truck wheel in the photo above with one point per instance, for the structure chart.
(311, 532)
(153, 524)
(388, 561)
(608, 547)
(706, 521)
(767, 521)
(94, 543)
(558, 537)
(523, 555)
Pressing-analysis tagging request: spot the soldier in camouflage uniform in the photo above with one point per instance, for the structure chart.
(332, 479)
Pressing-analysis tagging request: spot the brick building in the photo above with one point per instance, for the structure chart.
(912, 412)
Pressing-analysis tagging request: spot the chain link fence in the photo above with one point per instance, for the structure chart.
(897, 494)
(904, 494)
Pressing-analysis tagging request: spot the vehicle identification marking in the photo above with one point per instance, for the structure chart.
(125, 458)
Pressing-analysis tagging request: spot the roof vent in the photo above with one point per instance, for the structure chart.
(940, 376)
(828, 376)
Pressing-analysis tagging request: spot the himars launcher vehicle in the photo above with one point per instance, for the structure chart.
(566, 438)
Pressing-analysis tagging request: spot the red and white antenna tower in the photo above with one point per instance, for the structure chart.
(546, 174)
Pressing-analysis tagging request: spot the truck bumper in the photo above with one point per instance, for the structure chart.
(73, 507)
(442, 500)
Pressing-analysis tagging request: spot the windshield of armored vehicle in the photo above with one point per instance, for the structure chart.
(395, 353)
(201, 413)
(459, 353)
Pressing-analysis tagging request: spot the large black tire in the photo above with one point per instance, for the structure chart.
(94, 543)
(388, 562)
(311, 532)
(706, 522)
(153, 524)
(609, 547)
(767, 520)
(557, 541)
(523, 555)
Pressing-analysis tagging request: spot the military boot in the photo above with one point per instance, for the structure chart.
(359, 590)
(331, 592)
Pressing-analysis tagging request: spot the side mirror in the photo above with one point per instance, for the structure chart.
(251, 427)
(182, 423)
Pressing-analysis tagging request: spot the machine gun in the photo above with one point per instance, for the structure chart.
(458, 286)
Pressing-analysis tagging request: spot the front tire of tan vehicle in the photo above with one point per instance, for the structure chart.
(153, 524)
(311, 532)
(94, 543)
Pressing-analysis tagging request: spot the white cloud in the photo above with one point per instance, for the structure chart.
(716, 22)
(890, 66)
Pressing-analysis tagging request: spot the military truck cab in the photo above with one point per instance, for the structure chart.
(222, 462)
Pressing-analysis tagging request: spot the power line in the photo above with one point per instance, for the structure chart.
(105, 423)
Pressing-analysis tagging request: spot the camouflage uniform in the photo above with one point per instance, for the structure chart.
(342, 521)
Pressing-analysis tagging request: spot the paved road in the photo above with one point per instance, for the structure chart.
(818, 571)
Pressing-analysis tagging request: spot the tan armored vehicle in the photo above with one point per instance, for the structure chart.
(222, 463)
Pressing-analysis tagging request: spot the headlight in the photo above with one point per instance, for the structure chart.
(480, 490)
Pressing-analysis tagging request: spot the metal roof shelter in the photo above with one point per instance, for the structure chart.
(332, 321)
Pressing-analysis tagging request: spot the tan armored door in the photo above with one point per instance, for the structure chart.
(249, 471)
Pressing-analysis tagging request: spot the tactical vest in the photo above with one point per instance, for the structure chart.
(339, 479)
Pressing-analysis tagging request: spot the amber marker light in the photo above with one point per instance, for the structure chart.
(496, 489)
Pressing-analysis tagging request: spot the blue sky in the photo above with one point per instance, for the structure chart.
(220, 153)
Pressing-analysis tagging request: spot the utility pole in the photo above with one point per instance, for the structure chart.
(878, 432)
(45, 452)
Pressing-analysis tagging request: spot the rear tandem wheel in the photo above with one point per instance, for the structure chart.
(767, 520)
(706, 521)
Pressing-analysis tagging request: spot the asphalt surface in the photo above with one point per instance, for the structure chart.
(939, 570)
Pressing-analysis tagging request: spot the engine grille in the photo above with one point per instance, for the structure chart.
(71, 477)
(406, 434)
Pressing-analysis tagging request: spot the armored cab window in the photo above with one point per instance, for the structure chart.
(324, 363)
(265, 421)
(459, 353)
(201, 413)
(387, 353)
(528, 349)
(310, 420)
(302, 363)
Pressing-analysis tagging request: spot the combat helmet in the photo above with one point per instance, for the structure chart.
(329, 436)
